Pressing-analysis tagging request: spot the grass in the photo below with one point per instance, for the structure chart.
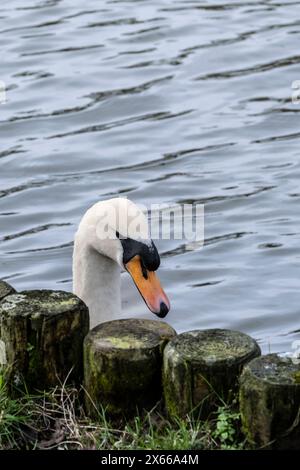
(56, 420)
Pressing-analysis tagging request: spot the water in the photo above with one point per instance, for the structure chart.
(160, 101)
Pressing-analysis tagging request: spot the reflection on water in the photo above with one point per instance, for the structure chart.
(161, 101)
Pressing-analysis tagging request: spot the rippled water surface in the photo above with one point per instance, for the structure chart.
(161, 101)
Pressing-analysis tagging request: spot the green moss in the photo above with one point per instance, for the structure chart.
(5, 290)
(297, 377)
(269, 402)
(125, 342)
(253, 391)
(276, 370)
(201, 367)
(215, 345)
(122, 363)
(176, 373)
(44, 332)
(39, 303)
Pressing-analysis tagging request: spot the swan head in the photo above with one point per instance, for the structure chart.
(118, 229)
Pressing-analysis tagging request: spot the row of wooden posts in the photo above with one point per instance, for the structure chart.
(129, 365)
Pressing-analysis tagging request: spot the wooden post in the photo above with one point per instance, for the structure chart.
(42, 332)
(200, 367)
(122, 365)
(5, 289)
(270, 402)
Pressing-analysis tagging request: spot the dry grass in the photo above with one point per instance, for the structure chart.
(56, 420)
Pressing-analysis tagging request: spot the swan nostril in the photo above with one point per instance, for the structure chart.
(163, 310)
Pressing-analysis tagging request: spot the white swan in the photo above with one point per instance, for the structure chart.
(111, 236)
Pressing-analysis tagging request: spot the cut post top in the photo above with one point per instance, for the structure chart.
(41, 303)
(275, 370)
(130, 334)
(213, 346)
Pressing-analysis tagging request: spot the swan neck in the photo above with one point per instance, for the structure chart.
(97, 281)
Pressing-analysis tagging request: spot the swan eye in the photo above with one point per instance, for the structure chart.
(147, 252)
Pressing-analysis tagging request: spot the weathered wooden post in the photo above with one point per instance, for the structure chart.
(42, 333)
(122, 365)
(270, 402)
(5, 289)
(202, 366)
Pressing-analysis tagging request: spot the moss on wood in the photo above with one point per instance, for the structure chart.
(200, 367)
(122, 365)
(270, 402)
(5, 289)
(43, 334)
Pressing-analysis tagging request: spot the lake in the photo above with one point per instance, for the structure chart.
(161, 101)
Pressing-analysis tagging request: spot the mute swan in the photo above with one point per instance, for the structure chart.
(111, 236)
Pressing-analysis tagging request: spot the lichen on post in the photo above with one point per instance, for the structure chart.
(5, 289)
(202, 366)
(270, 402)
(42, 332)
(122, 365)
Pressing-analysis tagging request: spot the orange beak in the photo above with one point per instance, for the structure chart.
(149, 287)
